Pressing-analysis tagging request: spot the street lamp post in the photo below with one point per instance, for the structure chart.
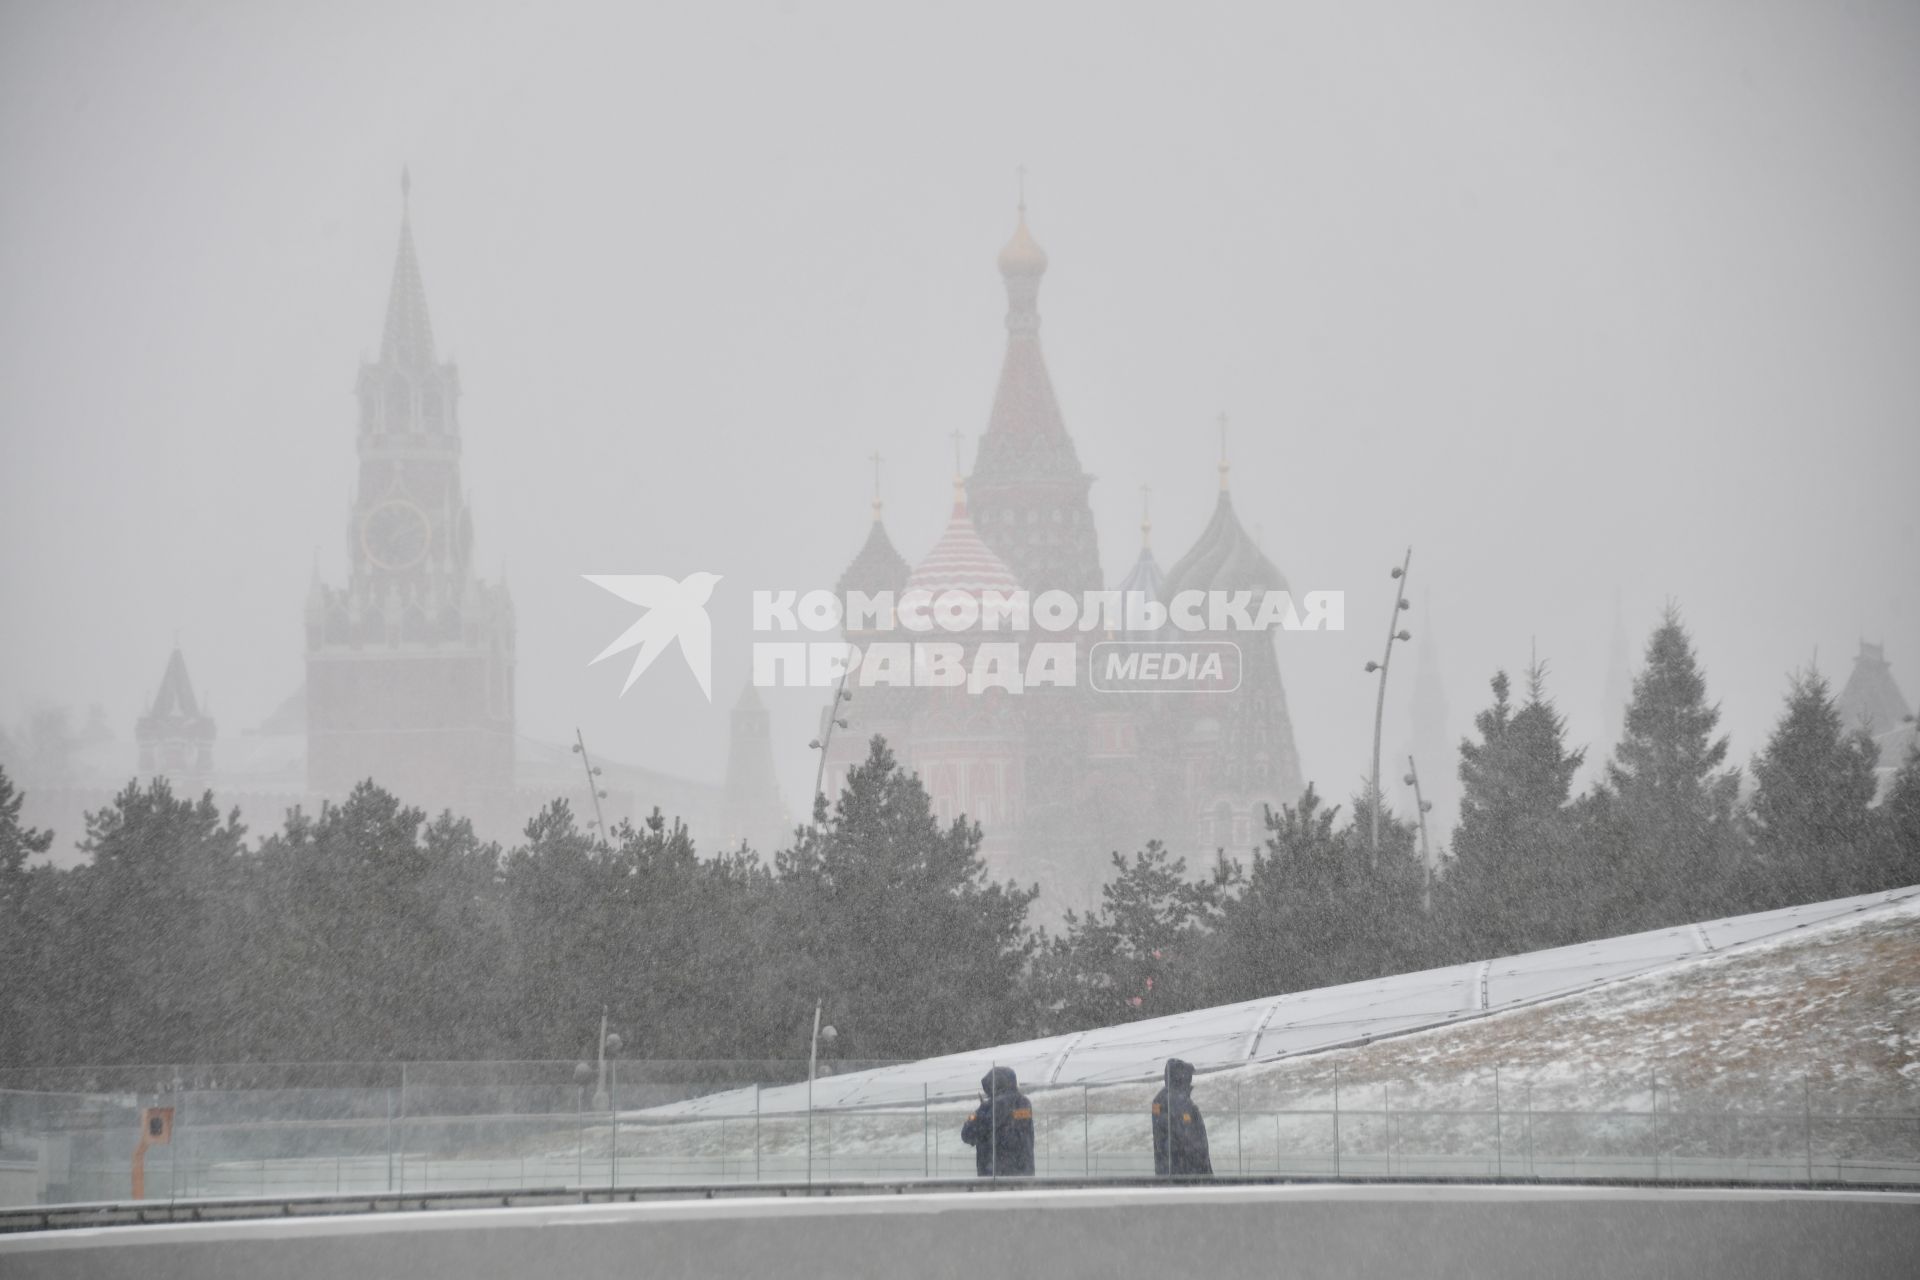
(1394, 632)
(1423, 806)
(606, 1090)
(813, 1069)
(593, 787)
(840, 694)
(581, 1074)
(600, 1083)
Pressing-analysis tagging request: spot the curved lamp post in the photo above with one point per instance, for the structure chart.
(820, 1033)
(1423, 806)
(1394, 632)
(840, 694)
(609, 1048)
(593, 788)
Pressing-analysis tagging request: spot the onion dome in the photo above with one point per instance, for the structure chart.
(1144, 580)
(1026, 438)
(1224, 558)
(961, 561)
(1022, 255)
(878, 568)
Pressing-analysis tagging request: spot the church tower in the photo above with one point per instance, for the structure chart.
(1228, 757)
(410, 664)
(1029, 495)
(176, 735)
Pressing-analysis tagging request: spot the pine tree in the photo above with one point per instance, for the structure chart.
(388, 940)
(1140, 954)
(1664, 839)
(1317, 908)
(897, 925)
(1512, 884)
(17, 844)
(23, 931)
(1815, 783)
(1898, 827)
(157, 905)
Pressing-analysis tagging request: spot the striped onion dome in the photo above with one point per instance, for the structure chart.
(961, 561)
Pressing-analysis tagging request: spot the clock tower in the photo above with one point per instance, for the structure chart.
(410, 664)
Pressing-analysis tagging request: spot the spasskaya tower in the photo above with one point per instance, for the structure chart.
(410, 665)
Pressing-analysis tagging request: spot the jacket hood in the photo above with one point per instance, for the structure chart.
(999, 1080)
(1179, 1073)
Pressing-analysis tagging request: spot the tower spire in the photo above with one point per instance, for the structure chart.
(876, 460)
(959, 439)
(1224, 467)
(407, 340)
(1146, 517)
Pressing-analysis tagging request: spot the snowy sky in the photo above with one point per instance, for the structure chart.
(1580, 300)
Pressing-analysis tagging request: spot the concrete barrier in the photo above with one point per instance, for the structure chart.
(1295, 1231)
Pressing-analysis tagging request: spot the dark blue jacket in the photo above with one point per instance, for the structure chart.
(1000, 1130)
(1179, 1132)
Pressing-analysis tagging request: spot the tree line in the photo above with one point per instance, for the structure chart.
(370, 931)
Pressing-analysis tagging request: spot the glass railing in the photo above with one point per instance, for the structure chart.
(292, 1131)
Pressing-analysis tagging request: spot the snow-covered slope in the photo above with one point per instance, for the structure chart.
(1830, 986)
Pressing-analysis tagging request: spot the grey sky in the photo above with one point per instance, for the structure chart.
(1576, 299)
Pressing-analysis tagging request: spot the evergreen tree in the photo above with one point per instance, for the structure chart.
(1140, 954)
(1512, 884)
(17, 844)
(1898, 823)
(22, 929)
(1663, 839)
(1317, 908)
(1815, 782)
(679, 945)
(161, 906)
(387, 939)
(897, 925)
(560, 891)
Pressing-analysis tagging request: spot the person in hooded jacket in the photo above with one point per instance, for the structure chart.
(1179, 1132)
(1000, 1130)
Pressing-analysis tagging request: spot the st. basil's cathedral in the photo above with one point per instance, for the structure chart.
(1059, 777)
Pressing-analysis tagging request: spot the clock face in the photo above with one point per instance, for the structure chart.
(396, 534)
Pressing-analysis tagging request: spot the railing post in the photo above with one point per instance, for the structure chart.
(1499, 1142)
(1386, 1106)
(926, 1132)
(756, 1131)
(1086, 1131)
(1653, 1085)
(1239, 1126)
(1806, 1091)
(1336, 1120)
(403, 1127)
(1529, 1106)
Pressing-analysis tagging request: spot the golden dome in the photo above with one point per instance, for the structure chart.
(1022, 255)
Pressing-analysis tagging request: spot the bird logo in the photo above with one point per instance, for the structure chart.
(674, 611)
